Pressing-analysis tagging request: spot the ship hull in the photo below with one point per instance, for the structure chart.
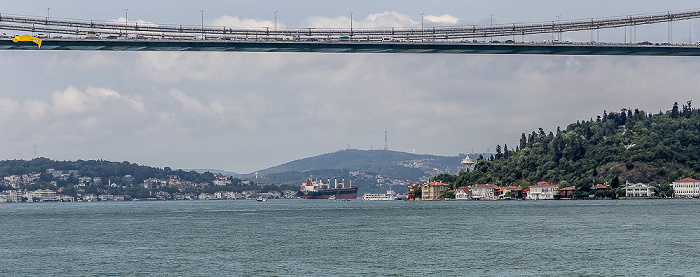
(341, 193)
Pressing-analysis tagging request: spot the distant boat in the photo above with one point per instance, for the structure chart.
(262, 199)
(388, 196)
(331, 198)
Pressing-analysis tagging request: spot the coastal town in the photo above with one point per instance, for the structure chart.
(683, 188)
(170, 188)
(431, 190)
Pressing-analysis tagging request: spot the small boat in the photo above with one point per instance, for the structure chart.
(331, 198)
(262, 199)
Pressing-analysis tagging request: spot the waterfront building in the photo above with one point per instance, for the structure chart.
(89, 197)
(567, 192)
(206, 196)
(44, 195)
(686, 188)
(106, 197)
(11, 196)
(463, 193)
(6, 198)
(516, 192)
(542, 191)
(434, 190)
(484, 191)
(640, 190)
(411, 192)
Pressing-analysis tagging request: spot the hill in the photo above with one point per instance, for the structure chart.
(631, 145)
(371, 170)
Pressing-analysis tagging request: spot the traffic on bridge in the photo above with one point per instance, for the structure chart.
(60, 34)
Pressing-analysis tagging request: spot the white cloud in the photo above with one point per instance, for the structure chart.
(444, 19)
(105, 94)
(70, 100)
(191, 104)
(380, 20)
(234, 22)
(138, 22)
(74, 101)
(7, 107)
(36, 109)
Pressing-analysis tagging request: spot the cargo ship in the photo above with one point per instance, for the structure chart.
(318, 190)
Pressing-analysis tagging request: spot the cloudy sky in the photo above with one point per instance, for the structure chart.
(248, 111)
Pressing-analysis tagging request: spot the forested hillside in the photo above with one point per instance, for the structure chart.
(632, 145)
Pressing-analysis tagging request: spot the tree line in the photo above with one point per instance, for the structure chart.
(629, 145)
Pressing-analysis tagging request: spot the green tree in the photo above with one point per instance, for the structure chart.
(445, 178)
(523, 141)
(666, 190)
(615, 182)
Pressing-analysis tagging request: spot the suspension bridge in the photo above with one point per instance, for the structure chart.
(75, 34)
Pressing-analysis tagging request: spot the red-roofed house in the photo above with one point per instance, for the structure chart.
(516, 192)
(599, 187)
(543, 190)
(567, 192)
(687, 187)
(434, 190)
(463, 193)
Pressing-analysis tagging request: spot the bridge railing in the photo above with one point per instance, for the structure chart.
(120, 29)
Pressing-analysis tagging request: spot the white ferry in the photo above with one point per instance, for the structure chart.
(388, 196)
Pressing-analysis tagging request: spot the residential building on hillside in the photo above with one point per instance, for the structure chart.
(685, 188)
(434, 190)
(640, 190)
(542, 191)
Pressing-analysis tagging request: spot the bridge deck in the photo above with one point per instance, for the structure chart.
(354, 47)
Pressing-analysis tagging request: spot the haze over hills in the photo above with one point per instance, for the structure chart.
(371, 170)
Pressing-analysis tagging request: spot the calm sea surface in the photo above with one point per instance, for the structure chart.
(328, 238)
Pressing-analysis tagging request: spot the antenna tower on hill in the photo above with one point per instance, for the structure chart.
(386, 140)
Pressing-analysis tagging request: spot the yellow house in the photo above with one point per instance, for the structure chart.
(434, 190)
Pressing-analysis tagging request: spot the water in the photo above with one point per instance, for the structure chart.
(329, 238)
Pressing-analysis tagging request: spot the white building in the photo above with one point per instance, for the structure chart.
(542, 191)
(44, 195)
(89, 197)
(483, 191)
(10, 196)
(686, 188)
(463, 193)
(639, 190)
